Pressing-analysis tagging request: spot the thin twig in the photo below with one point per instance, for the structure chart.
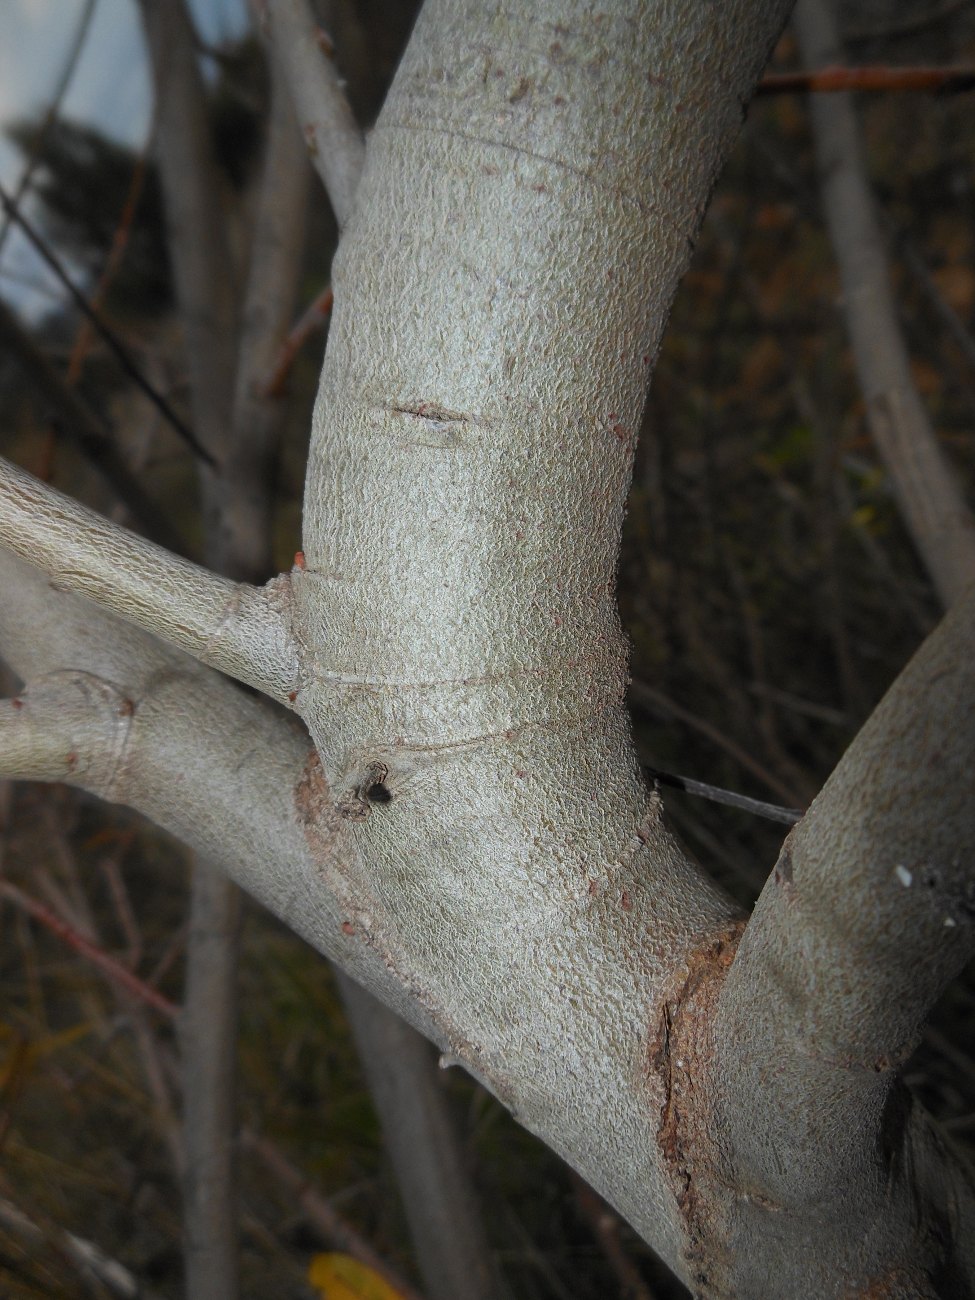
(122, 903)
(334, 1228)
(426, 1151)
(770, 811)
(112, 969)
(806, 708)
(653, 700)
(53, 111)
(316, 1208)
(98, 1271)
(120, 353)
(929, 495)
(226, 350)
(77, 422)
(606, 1229)
(116, 254)
(332, 134)
(868, 77)
(960, 334)
(311, 319)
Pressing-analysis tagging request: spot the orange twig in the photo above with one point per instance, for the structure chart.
(828, 80)
(311, 319)
(120, 242)
(113, 969)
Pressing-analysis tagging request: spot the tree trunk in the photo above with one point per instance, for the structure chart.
(472, 838)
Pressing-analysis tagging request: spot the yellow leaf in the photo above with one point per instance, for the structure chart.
(340, 1277)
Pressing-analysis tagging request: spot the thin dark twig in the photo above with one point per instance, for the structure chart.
(605, 1227)
(116, 255)
(53, 110)
(313, 317)
(319, 1212)
(647, 697)
(121, 353)
(770, 811)
(918, 267)
(74, 419)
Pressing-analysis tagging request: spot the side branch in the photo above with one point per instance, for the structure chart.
(241, 630)
(69, 726)
(333, 137)
(842, 77)
(869, 913)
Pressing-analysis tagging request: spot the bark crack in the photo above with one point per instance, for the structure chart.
(680, 1056)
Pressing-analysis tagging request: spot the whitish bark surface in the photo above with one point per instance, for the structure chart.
(529, 196)
(865, 919)
(472, 838)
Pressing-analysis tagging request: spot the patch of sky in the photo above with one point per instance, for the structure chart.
(110, 89)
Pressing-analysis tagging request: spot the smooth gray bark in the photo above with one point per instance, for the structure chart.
(864, 921)
(472, 838)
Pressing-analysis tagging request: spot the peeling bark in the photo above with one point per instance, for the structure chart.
(681, 1055)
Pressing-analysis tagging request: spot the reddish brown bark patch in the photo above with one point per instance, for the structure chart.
(896, 1284)
(316, 811)
(681, 1056)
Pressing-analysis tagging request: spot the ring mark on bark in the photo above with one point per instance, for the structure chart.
(586, 176)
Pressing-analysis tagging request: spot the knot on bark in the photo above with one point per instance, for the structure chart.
(357, 804)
